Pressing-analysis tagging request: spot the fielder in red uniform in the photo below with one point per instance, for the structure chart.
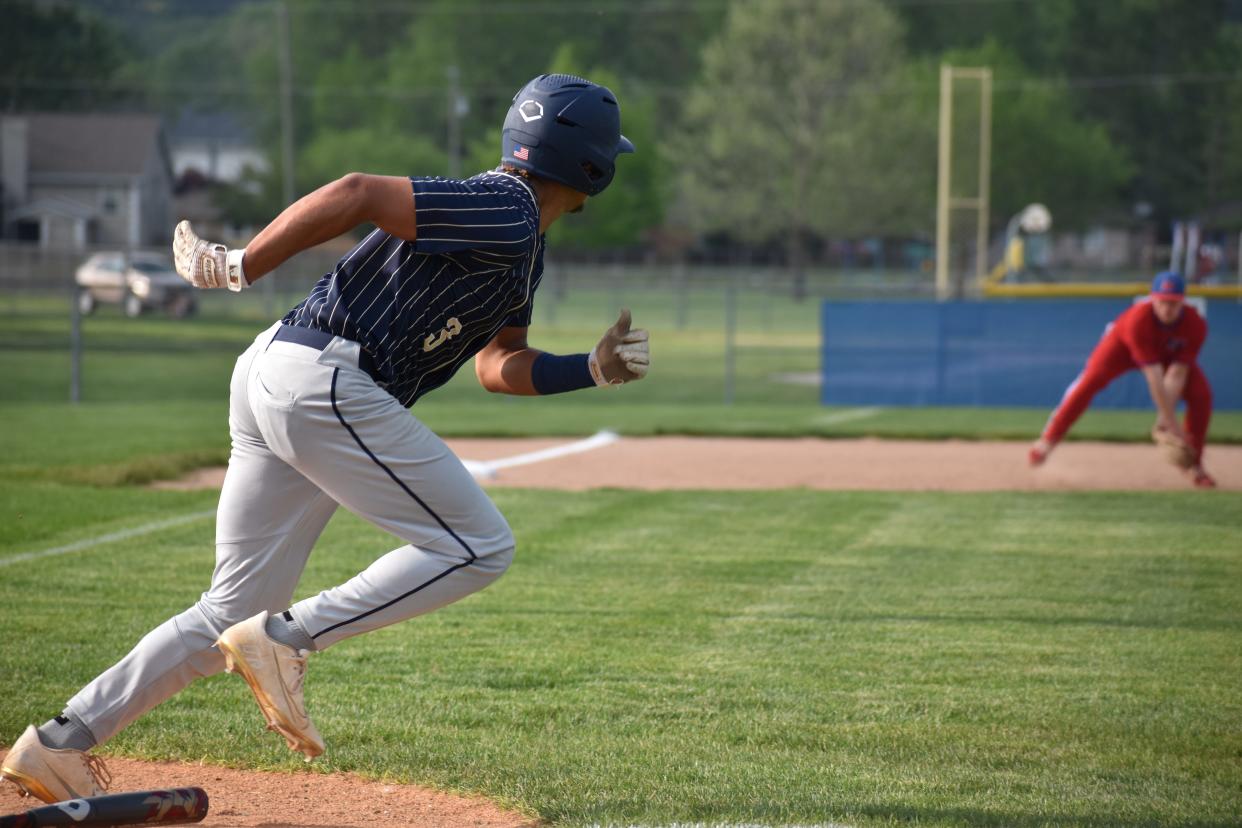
(1160, 337)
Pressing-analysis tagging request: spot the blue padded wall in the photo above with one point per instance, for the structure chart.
(1017, 353)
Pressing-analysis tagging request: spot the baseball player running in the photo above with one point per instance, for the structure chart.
(318, 416)
(1161, 337)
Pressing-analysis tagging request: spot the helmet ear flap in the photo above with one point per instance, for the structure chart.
(595, 175)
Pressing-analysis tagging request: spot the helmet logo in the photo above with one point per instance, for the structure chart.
(530, 110)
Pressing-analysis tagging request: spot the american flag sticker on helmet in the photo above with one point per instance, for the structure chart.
(520, 152)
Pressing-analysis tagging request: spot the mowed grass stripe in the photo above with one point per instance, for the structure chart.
(758, 658)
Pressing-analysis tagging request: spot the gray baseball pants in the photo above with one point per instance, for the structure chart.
(311, 430)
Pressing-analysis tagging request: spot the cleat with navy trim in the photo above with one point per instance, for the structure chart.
(275, 673)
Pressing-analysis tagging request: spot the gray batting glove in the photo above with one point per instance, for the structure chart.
(207, 265)
(622, 355)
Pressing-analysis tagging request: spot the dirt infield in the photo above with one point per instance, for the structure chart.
(244, 799)
(901, 465)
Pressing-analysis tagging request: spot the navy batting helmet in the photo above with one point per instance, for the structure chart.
(566, 129)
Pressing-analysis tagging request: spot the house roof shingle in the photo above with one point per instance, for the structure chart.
(91, 143)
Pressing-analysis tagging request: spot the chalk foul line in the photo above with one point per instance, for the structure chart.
(478, 468)
(488, 468)
(111, 537)
(847, 415)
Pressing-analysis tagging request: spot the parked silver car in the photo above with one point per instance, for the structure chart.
(139, 282)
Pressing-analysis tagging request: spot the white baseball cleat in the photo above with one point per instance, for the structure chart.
(53, 775)
(274, 672)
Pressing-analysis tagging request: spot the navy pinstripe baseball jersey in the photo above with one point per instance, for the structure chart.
(422, 309)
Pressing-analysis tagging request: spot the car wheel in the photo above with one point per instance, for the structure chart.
(132, 306)
(86, 302)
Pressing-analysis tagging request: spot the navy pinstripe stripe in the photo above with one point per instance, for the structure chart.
(473, 557)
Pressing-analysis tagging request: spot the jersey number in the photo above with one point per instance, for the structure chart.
(451, 329)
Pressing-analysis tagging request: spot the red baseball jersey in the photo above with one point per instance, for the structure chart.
(1148, 341)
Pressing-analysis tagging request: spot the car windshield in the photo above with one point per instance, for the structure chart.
(151, 267)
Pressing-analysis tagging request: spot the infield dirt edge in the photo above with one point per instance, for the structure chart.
(868, 464)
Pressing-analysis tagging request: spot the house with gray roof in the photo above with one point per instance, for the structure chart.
(73, 180)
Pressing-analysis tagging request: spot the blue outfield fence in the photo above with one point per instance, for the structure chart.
(1020, 353)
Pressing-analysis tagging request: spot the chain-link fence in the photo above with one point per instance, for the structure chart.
(751, 327)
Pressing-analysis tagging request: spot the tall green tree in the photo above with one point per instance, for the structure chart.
(1163, 77)
(1177, 65)
(799, 127)
(1221, 157)
(371, 81)
(195, 57)
(56, 56)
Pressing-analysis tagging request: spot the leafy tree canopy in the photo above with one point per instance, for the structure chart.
(1162, 77)
(56, 56)
(798, 126)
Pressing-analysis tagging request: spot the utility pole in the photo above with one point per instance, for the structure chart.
(288, 188)
(457, 107)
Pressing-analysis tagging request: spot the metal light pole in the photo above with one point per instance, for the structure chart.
(288, 185)
(455, 111)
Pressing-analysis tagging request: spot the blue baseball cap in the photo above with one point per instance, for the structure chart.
(1168, 285)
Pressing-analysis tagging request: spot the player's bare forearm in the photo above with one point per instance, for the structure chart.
(1175, 381)
(508, 372)
(1165, 412)
(333, 209)
(505, 364)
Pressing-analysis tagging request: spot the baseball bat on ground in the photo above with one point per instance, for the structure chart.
(172, 806)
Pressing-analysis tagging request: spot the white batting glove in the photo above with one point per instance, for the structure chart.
(207, 265)
(622, 355)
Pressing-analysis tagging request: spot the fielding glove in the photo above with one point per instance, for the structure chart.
(207, 265)
(1174, 448)
(622, 355)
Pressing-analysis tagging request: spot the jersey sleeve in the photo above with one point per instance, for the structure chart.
(453, 215)
(523, 317)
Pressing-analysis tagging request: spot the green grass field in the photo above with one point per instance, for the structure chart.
(769, 658)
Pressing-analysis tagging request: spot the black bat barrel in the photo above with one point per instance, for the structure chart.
(172, 806)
